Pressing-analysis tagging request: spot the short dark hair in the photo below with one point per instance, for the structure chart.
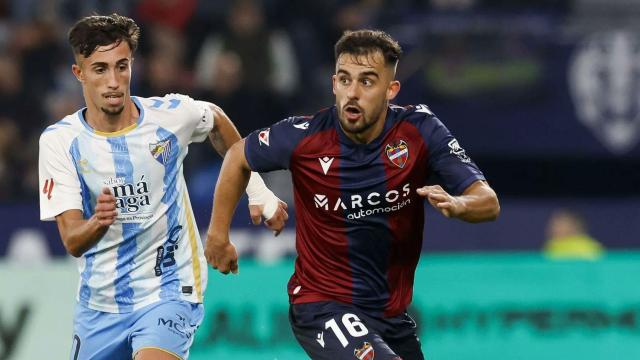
(94, 31)
(366, 42)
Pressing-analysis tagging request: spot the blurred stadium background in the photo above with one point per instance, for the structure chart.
(543, 94)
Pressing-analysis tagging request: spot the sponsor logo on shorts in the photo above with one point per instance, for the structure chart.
(177, 326)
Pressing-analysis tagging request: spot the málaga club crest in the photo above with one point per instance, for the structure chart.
(161, 150)
(398, 153)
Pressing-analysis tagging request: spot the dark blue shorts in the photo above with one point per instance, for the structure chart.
(335, 331)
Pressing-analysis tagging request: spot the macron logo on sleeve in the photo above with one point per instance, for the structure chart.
(302, 126)
(423, 109)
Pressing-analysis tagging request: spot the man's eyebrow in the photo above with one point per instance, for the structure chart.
(102, 63)
(362, 74)
(369, 73)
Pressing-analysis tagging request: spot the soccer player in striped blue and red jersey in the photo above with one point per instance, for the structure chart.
(360, 170)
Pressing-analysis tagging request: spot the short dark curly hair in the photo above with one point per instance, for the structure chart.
(366, 42)
(94, 31)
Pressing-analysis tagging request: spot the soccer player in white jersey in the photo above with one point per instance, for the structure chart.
(112, 178)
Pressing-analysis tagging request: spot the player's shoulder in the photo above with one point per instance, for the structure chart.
(63, 130)
(419, 115)
(308, 124)
(419, 112)
(171, 101)
(172, 111)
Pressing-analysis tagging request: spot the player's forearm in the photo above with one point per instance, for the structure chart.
(232, 181)
(224, 133)
(480, 203)
(80, 235)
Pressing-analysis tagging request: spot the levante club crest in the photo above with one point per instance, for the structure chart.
(398, 153)
(366, 352)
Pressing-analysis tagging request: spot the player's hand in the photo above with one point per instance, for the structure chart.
(221, 254)
(105, 211)
(276, 222)
(447, 205)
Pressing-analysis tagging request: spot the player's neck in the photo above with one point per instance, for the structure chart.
(102, 122)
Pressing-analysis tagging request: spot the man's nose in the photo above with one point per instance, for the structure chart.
(112, 80)
(353, 91)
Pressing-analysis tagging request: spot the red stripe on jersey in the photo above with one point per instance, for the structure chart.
(405, 225)
(322, 270)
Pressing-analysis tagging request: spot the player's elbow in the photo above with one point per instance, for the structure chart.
(488, 209)
(72, 247)
(73, 250)
(495, 209)
(492, 205)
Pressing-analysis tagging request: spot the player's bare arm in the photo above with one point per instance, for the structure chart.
(224, 133)
(79, 234)
(234, 177)
(477, 203)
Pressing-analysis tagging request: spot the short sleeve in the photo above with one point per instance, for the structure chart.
(205, 121)
(59, 185)
(448, 161)
(271, 148)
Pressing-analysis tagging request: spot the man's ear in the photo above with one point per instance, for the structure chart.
(393, 89)
(333, 83)
(77, 72)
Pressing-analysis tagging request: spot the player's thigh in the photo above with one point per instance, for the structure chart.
(333, 331)
(408, 349)
(400, 334)
(98, 335)
(168, 327)
(154, 354)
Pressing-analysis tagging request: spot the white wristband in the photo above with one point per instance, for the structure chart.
(259, 194)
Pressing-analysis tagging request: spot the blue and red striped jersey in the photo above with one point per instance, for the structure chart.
(359, 218)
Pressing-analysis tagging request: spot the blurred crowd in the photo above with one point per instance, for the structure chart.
(261, 60)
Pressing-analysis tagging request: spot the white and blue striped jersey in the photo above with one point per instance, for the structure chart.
(153, 250)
